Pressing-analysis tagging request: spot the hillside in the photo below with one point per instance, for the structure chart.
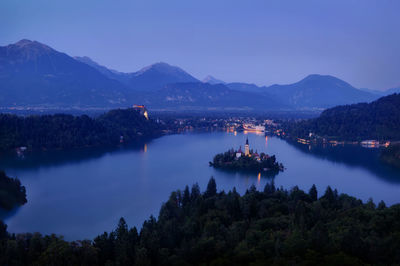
(391, 91)
(240, 86)
(312, 92)
(149, 78)
(33, 74)
(377, 120)
(12, 193)
(156, 76)
(205, 96)
(210, 79)
(110, 73)
(62, 131)
(319, 91)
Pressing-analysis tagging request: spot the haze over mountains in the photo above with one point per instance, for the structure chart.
(34, 75)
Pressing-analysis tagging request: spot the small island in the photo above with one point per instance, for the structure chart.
(248, 161)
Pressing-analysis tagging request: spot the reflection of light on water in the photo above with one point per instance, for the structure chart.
(266, 141)
(258, 179)
(235, 133)
(254, 132)
(145, 148)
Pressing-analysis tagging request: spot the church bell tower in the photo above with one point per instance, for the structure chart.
(246, 148)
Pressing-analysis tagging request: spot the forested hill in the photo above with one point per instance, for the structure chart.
(12, 193)
(377, 120)
(272, 227)
(62, 131)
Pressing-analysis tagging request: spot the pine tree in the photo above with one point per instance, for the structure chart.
(186, 197)
(211, 188)
(269, 188)
(313, 193)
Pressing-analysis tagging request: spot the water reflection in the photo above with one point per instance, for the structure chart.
(4, 214)
(145, 147)
(352, 155)
(82, 193)
(32, 160)
(268, 175)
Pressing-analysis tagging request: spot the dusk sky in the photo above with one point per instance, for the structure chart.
(262, 42)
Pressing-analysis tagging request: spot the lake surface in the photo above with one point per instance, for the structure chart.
(82, 193)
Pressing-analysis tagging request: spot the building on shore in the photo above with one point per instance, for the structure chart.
(239, 152)
(142, 109)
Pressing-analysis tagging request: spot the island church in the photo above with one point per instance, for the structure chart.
(247, 152)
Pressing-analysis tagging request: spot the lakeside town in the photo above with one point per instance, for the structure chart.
(258, 126)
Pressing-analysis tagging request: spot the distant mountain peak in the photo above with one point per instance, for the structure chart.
(324, 80)
(25, 43)
(211, 80)
(27, 49)
(160, 67)
(319, 76)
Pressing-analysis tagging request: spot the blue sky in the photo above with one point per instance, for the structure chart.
(262, 42)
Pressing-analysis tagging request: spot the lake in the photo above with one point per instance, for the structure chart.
(81, 193)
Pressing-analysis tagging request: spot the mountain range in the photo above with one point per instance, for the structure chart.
(33, 74)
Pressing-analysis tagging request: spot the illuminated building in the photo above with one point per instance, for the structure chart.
(247, 148)
(142, 109)
(239, 152)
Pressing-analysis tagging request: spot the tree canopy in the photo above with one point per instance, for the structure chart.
(12, 193)
(275, 226)
(62, 131)
(377, 120)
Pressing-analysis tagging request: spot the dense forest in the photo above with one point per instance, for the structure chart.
(66, 131)
(377, 120)
(229, 161)
(273, 226)
(12, 193)
(391, 155)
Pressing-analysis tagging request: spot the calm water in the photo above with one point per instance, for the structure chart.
(80, 194)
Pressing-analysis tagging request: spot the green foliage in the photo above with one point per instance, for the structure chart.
(12, 193)
(211, 188)
(377, 120)
(62, 131)
(229, 161)
(275, 226)
(313, 193)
